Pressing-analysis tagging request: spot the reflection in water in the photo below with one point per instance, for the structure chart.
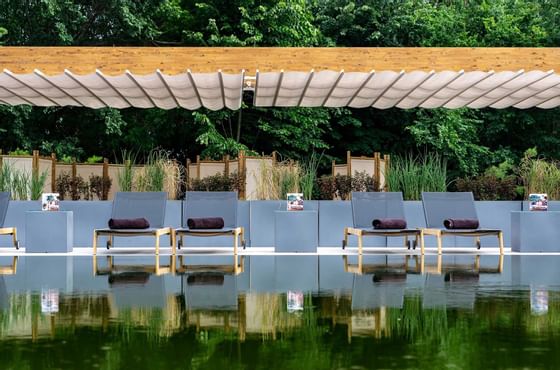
(245, 312)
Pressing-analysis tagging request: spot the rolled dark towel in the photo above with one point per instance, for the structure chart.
(205, 279)
(206, 223)
(461, 276)
(461, 223)
(389, 277)
(128, 223)
(389, 223)
(129, 278)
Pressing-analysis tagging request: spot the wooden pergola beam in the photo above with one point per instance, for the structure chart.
(174, 60)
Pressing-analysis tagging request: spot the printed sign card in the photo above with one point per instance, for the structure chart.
(538, 202)
(295, 201)
(49, 202)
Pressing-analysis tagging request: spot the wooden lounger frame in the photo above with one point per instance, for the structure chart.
(156, 233)
(235, 269)
(157, 269)
(10, 231)
(238, 233)
(440, 233)
(360, 233)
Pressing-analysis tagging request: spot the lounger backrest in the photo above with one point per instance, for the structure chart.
(150, 205)
(211, 204)
(367, 206)
(440, 206)
(4, 203)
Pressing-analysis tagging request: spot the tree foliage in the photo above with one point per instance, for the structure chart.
(471, 140)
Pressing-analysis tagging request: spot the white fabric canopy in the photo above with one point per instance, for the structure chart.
(389, 89)
(219, 90)
(188, 90)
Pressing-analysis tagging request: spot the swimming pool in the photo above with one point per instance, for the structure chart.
(280, 312)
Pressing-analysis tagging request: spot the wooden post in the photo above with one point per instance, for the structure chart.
(349, 163)
(105, 194)
(1, 158)
(198, 166)
(226, 165)
(377, 169)
(74, 168)
(35, 163)
(242, 173)
(387, 160)
(273, 158)
(53, 172)
(332, 167)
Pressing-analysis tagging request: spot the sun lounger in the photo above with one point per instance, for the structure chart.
(133, 205)
(439, 207)
(368, 206)
(211, 204)
(4, 203)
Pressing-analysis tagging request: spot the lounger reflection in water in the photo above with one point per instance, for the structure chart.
(370, 206)
(133, 273)
(136, 205)
(453, 285)
(216, 205)
(211, 286)
(442, 207)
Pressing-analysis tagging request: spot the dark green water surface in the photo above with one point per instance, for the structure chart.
(280, 312)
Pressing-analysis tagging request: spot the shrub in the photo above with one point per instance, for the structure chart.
(327, 187)
(99, 186)
(72, 187)
(489, 187)
(218, 182)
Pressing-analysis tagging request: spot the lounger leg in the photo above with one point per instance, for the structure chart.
(243, 241)
(157, 244)
(477, 242)
(360, 243)
(173, 238)
(14, 238)
(439, 242)
(406, 242)
(421, 242)
(235, 242)
(345, 240)
(94, 242)
(501, 242)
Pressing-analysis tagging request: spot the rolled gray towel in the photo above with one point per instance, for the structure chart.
(205, 223)
(461, 223)
(128, 223)
(389, 223)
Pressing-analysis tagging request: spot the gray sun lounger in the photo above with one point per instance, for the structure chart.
(212, 204)
(460, 205)
(367, 206)
(149, 205)
(4, 203)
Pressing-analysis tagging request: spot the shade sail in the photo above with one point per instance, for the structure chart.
(217, 90)
(389, 89)
(187, 90)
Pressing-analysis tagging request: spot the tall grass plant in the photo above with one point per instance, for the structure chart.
(412, 175)
(540, 176)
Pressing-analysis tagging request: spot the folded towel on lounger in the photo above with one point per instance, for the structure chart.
(205, 223)
(389, 223)
(461, 223)
(128, 223)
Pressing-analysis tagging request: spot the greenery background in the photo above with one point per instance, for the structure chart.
(470, 140)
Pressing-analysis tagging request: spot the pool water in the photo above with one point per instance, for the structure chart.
(280, 312)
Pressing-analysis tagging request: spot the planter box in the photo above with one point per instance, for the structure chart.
(296, 231)
(49, 232)
(535, 231)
